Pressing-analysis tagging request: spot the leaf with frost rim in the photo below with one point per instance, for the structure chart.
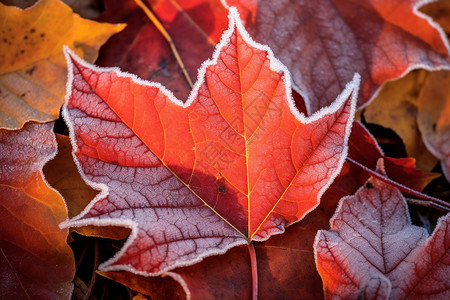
(370, 281)
(299, 85)
(275, 65)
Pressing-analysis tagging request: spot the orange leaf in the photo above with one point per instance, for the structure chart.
(35, 261)
(32, 66)
(235, 163)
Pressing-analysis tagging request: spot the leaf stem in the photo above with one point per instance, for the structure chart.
(166, 35)
(401, 187)
(251, 249)
(427, 204)
(94, 274)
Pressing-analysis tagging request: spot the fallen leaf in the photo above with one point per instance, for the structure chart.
(434, 117)
(286, 266)
(395, 107)
(32, 66)
(141, 49)
(213, 173)
(62, 174)
(373, 251)
(35, 260)
(325, 42)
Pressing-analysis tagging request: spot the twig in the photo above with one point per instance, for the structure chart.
(401, 187)
(94, 274)
(427, 203)
(82, 255)
(253, 262)
(166, 35)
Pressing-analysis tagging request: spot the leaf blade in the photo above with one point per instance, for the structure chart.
(117, 132)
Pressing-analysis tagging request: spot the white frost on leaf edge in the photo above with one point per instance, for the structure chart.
(381, 170)
(275, 65)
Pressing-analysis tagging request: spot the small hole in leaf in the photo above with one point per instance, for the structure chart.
(222, 189)
(369, 185)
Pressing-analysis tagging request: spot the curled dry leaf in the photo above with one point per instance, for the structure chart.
(32, 65)
(434, 117)
(372, 250)
(325, 42)
(35, 261)
(235, 163)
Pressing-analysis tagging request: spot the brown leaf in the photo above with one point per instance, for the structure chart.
(62, 174)
(35, 260)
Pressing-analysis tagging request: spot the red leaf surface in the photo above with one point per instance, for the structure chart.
(325, 42)
(35, 260)
(374, 252)
(194, 25)
(235, 163)
(286, 266)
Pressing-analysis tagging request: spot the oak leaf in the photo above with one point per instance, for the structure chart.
(32, 65)
(372, 250)
(35, 260)
(324, 42)
(235, 163)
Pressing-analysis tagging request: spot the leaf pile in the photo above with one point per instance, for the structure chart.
(232, 166)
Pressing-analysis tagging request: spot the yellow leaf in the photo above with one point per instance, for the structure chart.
(434, 117)
(32, 65)
(395, 107)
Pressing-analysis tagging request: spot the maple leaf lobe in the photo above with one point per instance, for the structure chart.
(145, 150)
(390, 257)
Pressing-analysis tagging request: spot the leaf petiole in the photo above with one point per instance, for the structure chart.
(253, 262)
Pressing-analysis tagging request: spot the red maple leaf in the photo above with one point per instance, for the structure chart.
(374, 252)
(235, 163)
